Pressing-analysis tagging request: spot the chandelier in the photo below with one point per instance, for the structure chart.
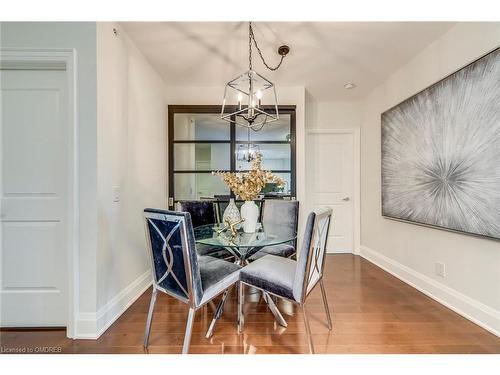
(243, 96)
(247, 152)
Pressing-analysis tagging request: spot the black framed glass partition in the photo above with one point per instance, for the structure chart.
(199, 141)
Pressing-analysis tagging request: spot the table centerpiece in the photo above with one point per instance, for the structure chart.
(248, 185)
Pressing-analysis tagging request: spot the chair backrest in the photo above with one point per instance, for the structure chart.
(172, 249)
(280, 217)
(311, 260)
(202, 212)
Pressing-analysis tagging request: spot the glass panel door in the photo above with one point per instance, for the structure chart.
(201, 142)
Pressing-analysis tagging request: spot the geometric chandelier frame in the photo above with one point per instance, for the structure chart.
(247, 91)
(243, 96)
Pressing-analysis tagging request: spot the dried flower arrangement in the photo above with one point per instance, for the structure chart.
(249, 185)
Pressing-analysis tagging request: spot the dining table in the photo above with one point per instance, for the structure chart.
(242, 246)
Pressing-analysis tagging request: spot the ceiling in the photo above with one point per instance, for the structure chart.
(324, 55)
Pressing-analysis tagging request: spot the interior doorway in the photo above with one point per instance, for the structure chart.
(332, 180)
(38, 189)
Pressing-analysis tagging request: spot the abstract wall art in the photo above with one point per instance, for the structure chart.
(441, 153)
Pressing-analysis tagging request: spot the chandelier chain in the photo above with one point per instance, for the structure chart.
(251, 37)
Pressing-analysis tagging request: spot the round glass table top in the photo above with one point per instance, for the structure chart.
(207, 235)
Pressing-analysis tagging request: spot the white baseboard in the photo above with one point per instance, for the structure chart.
(339, 252)
(471, 309)
(92, 325)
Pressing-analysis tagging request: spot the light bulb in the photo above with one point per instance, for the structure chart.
(240, 98)
(258, 94)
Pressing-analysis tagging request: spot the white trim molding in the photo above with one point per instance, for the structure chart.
(356, 132)
(471, 309)
(92, 325)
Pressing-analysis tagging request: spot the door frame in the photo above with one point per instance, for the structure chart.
(27, 58)
(174, 109)
(356, 224)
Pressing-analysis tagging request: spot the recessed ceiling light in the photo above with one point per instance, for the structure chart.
(350, 86)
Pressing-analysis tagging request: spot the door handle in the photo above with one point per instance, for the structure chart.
(346, 199)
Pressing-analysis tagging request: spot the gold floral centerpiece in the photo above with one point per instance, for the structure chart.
(248, 185)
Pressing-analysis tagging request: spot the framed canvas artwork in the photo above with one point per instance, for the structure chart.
(441, 153)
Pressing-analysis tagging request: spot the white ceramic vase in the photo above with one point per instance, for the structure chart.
(231, 213)
(249, 212)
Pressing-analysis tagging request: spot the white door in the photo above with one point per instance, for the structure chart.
(34, 195)
(330, 182)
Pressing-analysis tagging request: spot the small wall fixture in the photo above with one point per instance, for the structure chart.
(350, 86)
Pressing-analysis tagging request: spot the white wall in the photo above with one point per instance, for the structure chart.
(80, 36)
(472, 282)
(131, 155)
(333, 114)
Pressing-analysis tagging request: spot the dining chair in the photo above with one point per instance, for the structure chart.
(204, 212)
(290, 279)
(280, 218)
(178, 270)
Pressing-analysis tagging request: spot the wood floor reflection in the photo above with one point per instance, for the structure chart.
(372, 312)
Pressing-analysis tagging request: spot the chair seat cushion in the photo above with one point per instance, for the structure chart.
(216, 276)
(282, 250)
(271, 273)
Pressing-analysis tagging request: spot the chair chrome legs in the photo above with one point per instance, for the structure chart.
(274, 309)
(218, 313)
(308, 328)
(241, 302)
(325, 302)
(189, 329)
(150, 317)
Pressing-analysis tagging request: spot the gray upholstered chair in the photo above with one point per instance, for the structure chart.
(203, 213)
(281, 218)
(290, 279)
(178, 270)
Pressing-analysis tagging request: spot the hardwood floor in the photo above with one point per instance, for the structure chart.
(372, 312)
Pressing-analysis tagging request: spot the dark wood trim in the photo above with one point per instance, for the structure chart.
(200, 141)
(293, 150)
(274, 170)
(31, 329)
(173, 109)
(225, 170)
(198, 171)
(170, 151)
(232, 150)
(264, 142)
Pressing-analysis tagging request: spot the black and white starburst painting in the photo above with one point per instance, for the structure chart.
(441, 152)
